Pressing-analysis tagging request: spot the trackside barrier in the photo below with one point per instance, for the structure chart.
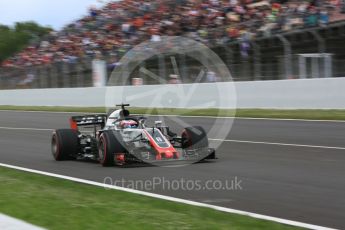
(325, 93)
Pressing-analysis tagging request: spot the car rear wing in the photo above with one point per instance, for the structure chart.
(88, 120)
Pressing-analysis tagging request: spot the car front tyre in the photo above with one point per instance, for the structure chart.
(109, 145)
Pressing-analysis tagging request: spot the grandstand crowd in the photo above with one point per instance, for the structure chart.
(113, 29)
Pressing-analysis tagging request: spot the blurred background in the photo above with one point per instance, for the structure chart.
(256, 39)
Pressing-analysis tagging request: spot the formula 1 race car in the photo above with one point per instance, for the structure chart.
(119, 139)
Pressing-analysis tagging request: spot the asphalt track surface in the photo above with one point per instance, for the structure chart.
(302, 181)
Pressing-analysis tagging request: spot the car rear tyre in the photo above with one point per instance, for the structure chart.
(65, 144)
(194, 137)
(110, 145)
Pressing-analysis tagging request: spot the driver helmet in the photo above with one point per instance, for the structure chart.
(128, 124)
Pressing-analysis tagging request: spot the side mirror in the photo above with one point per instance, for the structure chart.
(158, 124)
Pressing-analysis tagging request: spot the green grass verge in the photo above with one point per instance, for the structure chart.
(60, 204)
(311, 114)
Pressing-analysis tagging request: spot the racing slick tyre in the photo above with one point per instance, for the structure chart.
(65, 144)
(110, 148)
(194, 137)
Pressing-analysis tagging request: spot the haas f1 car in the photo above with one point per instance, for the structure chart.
(120, 139)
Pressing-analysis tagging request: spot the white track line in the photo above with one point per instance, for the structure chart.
(250, 118)
(234, 141)
(10, 223)
(38, 111)
(210, 117)
(280, 144)
(30, 129)
(174, 199)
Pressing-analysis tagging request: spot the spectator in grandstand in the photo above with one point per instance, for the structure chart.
(118, 26)
(324, 17)
(211, 76)
(174, 79)
(113, 63)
